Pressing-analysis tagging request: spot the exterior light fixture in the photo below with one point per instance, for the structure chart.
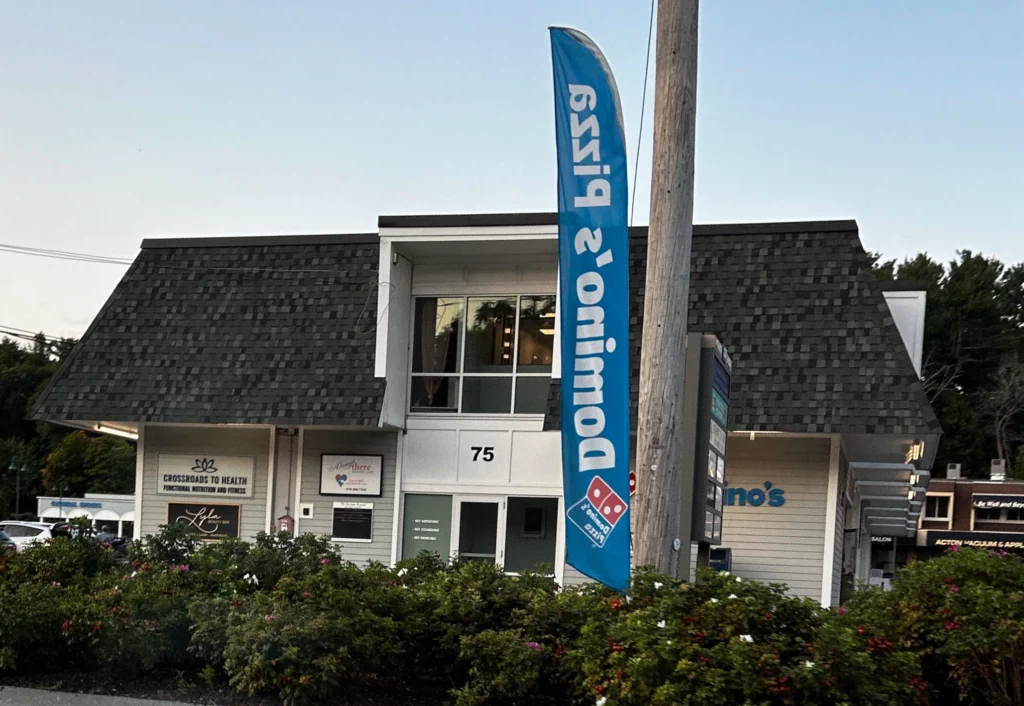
(114, 431)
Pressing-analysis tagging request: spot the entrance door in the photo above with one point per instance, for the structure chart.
(478, 532)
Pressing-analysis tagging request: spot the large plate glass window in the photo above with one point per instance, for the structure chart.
(482, 355)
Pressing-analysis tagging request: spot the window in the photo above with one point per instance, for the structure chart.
(936, 507)
(987, 515)
(1015, 515)
(127, 529)
(482, 355)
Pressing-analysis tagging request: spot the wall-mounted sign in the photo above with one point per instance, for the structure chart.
(210, 475)
(345, 474)
(88, 504)
(878, 539)
(426, 525)
(353, 522)
(707, 409)
(210, 521)
(979, 540)
(999, 502)
(756, 497)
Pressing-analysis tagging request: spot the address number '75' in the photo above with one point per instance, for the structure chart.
(485, 452)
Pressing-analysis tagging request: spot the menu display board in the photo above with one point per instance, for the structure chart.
(353, 522)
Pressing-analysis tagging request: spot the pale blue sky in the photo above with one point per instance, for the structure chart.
(121, 120)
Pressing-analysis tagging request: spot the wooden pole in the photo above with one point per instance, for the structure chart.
(659, 535)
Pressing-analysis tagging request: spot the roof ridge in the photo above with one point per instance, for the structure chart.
(220, 241)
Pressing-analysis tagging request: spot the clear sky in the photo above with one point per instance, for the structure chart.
(121, 120)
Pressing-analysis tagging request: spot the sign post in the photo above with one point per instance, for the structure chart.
(593, 260)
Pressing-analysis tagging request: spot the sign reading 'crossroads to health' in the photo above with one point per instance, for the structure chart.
(593, 258)
(208, 475)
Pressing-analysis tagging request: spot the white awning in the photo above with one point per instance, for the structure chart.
(892, 495)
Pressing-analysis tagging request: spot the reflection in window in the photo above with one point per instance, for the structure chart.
(536, 334)
(482, 355)
(490, 333)
(435, 354)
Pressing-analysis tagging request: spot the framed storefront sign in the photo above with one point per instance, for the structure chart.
(209, 520)
(352, 522)
(347, 474)
(998, 502)
(220, 477)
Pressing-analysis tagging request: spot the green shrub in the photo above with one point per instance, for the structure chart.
(35, 622)
(962, 616)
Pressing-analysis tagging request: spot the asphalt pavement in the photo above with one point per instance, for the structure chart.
(16, 696)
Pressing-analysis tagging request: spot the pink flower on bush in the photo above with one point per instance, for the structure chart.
(183, 568)
(307, 594)
(842, 610)
(1002, 552)
(535, 646)
(954, 547)
(325, 561)
(66, 627)
(269, 618)
(954, 588)
(952, 625)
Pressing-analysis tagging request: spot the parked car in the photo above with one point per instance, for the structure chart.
(24, 534)
(6, 544)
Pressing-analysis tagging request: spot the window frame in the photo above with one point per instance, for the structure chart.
(948, 517)
(460, 373)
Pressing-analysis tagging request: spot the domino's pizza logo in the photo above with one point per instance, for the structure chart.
(597, 513)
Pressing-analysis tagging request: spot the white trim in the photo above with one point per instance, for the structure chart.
(380, 358)
(556, 345)
(268, 525)
(831, 510)
(442, 234)
(948, 519)
(502, 519)
(560, 543)
(344, 539)
(396, 514)
(140, 465)
(297, 509)
(525, 491)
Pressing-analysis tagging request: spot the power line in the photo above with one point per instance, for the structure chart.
(124, 262)
(643, 103)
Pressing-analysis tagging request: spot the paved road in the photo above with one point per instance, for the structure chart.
(15, 696)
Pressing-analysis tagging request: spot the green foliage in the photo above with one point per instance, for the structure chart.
(963, 616)
(289, 617)
(110, 465)
(974, 320)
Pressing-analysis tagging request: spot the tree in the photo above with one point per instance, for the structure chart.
(110, 465)
(64, 473)
(1002, 401)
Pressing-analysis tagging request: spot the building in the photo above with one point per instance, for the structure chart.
(400, 390)
(986, 514)
(117, 511)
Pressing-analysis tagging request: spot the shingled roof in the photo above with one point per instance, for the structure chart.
(813, 344)
(276, 330)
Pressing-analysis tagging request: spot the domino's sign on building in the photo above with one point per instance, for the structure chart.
(593, 258)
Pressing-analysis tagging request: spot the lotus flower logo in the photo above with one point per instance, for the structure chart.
(204, 465)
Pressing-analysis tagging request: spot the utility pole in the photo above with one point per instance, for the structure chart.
(660, 494)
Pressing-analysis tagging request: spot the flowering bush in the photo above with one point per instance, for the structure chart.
(290, 617)
(961, 617)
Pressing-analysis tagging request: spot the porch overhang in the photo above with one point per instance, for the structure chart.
(892, 495)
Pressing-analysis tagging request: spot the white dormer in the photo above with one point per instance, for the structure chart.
(906, 300)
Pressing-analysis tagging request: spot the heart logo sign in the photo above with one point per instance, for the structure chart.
(341, 478)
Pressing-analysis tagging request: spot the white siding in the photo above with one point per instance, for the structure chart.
(205, 441)
(779, 544)
(317, 442)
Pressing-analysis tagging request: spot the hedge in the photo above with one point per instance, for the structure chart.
(289, 617)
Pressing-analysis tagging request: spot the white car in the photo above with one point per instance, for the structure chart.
(25, 533)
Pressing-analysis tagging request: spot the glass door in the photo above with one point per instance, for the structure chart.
(477, 532)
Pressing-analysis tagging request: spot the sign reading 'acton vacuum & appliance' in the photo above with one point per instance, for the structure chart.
(217, 476)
